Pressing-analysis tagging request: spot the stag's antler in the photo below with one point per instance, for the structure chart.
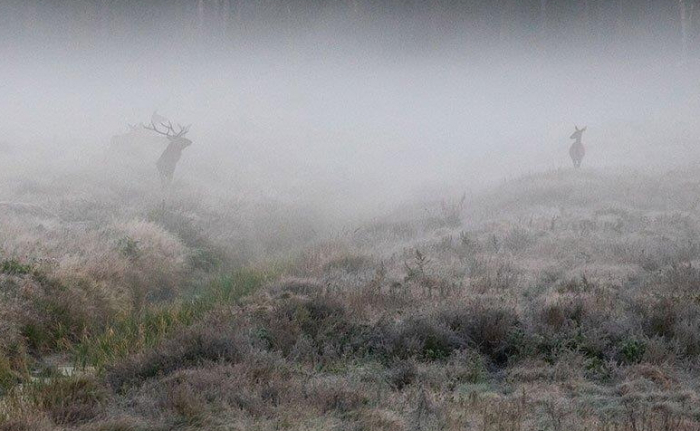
(169, 130)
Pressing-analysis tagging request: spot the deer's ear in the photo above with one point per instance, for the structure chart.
(576, 127)
(584, 128)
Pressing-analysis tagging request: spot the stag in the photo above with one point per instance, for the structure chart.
(577, 151)
(177, 142)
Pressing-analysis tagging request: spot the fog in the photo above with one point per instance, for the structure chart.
(353, 118)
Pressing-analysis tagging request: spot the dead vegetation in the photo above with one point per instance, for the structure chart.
(542, 306)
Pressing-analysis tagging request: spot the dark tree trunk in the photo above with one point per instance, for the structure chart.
(543, 19)
(685, 28)
(225, 15)
(201, 18)
(104, 18)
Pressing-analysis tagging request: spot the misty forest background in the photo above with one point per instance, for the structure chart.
(421, 95)
(668, 24)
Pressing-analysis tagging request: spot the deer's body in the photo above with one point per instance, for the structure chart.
(577, 150)
(168, 160)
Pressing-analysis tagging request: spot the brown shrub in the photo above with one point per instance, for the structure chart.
(251, 388)
(337, 396)
(491, 329)
(155, 261)
(351, 263)
(562, 324)
(41, 314)
(421, 337)
(401, 375)
(312, 328)
(36, 423)
(192, 394)
(72, 401)
(296, 286)
(674, 319)
(679, 278)
(193, 347)
(123, 424)
(120, 262)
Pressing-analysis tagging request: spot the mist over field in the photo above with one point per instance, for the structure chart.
(349, 108)
(349, 215)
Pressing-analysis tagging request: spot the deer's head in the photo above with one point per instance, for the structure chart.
(578, 133)
(175, 137)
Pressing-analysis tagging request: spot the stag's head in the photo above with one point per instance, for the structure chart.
(176, 137)
(578, 133)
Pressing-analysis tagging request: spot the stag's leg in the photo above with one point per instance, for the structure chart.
(165, 181)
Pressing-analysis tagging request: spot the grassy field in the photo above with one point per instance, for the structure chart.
(565, 300)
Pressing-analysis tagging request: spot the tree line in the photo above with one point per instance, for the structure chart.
(539, 21)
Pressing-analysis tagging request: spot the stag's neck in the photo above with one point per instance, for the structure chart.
(578, 141)
(175, 147)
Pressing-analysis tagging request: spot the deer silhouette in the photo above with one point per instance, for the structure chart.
(577, 151)
(168, 160)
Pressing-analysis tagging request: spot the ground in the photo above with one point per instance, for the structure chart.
(564, 300)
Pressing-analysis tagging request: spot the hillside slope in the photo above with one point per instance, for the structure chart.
(559, 301)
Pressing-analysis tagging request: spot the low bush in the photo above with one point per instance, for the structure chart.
(193, 347)
(415, 337)
(336, 396)
(318, 327)
(296, 286)
(36, 423)
(15, 267)
(71, 401)
(491, 329)
(135, 333)
(631, 351)
(401, 374)
(675, 320)
(351, 263)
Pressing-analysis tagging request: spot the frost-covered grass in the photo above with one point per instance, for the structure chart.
(562, 301)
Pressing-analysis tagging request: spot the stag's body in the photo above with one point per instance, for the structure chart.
(577, 150)
(168, 159)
